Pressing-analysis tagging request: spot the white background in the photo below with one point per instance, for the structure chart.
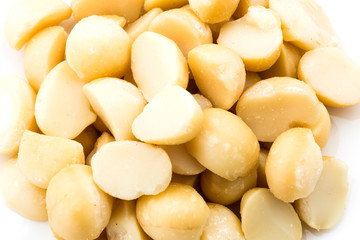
(344, 141)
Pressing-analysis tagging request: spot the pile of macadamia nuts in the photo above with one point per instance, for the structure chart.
(174, 120)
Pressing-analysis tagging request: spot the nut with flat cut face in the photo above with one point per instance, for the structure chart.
(324, 207)
(222, 224)
(102, 140)
(266, 217)
(157, 62)
(225, 136)
(333, 75)
(314, 30)
(294, 165)
(61, 109)
(256, 37)
(129, 169)
(41, 157)
(77, 207)
(244, 5)
(172, 117)
(27, 17)
(17, 100)
(178, 213)
(321, 130)
(274, 105)
(20, 194)
(219, 74)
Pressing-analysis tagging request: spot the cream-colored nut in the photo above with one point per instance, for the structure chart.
(244, 5)
(314, 30)
(324, 207)
(142, 24)
(251, 79)
(20, 194)
(202, 101)
(61, 109)
(164, 4)
(182, 162)
(222, 224)
(77, 208)
(191, 180)
(266, 217)
(41, 157)
(287, 63)
(121, 21)
(333, 75)
(87, 138)
(214, 11)
(173, 117)
(43, 52)
(184, 27)
(130, 9)
(168, 64)
(274, 105)
(123, 223)
(321, 130)
(17, 101)
(225, 136)
(98, 47)
(256, 37)
(219, 74)
(102, 140)
(129, 169)
(294, 165)
(178, 213)
(261, 176)
(27, 17)
(117, 103)
(222, 191)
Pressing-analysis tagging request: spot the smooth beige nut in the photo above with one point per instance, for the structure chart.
(222, 191)
(202, 101)
(178, 213)
(333, 75)
(256, 37)
(214, 11)
(274, 105)
(41, 157)
(222, 224)
(251, 79)
(225, 136)
(314, 30)
(77, 208)
(117, 103)
(130, 9)
(321, 130)
(266, 217)
(123, 223)
(172, 117)
(61, 109)
(244, 5)
(184, 27)
(87, 139)
(287, 63)
(261, 176)
(163, 4)
(182, 162)
(191, 180)
(324, 207)
(20, 194)
(294, 165)
(102, 140)
(27, 17)
(121, 21)
(142, 24)
(219, 74)
(129, 169)
(98, 47)
(43, 52)
(168, 65)
(17, 101)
